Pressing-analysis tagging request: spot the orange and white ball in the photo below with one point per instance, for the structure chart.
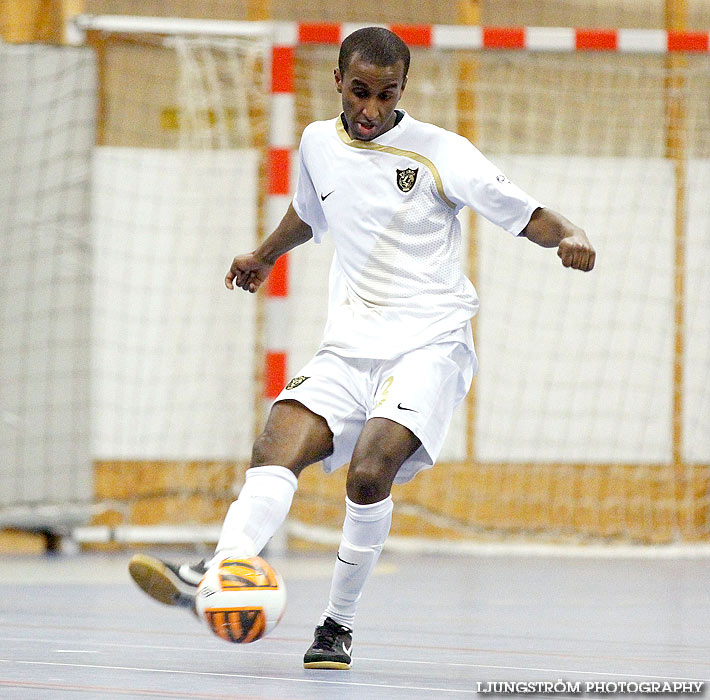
(241, 599)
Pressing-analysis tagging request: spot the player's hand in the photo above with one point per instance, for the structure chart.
(247, 272)
(577, 252)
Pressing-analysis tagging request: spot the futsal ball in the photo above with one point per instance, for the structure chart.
(241, 599)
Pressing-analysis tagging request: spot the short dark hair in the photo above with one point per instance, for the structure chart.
(375, 45)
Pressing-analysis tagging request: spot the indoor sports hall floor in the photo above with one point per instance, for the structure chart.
(428, 627)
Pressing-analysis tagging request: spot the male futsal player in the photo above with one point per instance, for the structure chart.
(397, 354)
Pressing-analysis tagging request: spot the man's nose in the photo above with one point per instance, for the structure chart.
(369, 109)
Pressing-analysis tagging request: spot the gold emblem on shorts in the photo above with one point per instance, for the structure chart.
(406, 178)
(297, 381)
(384, 391)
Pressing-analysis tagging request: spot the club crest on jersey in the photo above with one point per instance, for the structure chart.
(296, 381)
(406, 178)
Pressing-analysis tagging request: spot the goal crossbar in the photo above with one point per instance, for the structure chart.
(451, 37)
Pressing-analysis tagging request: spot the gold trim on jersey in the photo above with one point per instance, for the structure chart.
(369, 146)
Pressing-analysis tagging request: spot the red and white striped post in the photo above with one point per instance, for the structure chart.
(279, 173)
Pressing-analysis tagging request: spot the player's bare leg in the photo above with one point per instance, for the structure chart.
(380, 451)
(293, 438)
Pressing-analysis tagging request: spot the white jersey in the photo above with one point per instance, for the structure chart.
(390, 204)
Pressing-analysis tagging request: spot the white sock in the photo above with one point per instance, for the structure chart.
(364, 533)
(254, 517)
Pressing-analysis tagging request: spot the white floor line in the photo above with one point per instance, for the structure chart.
(251, 651)
(280, 679)
(593, 673)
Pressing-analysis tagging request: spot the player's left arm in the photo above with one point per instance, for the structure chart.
(552, 230)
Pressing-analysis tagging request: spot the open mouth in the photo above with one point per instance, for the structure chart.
(366, 129)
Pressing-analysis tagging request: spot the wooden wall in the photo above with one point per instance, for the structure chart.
(552, 13)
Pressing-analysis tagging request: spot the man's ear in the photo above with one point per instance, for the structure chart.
(338, 80)
(404, 84)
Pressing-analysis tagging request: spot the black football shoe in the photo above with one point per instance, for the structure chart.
(331, 648)
(170, 584)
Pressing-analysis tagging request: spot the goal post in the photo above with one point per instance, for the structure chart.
(588, 414)
(589, 419)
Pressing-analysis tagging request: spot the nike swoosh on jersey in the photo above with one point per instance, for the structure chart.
(402, 408)
(323, 197)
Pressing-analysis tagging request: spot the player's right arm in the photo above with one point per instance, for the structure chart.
(249, 271)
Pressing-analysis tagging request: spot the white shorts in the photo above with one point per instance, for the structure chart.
(418, 390)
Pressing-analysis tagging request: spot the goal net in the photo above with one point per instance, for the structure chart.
(589, 418)
(590, 414)
(47, 120)
(128, 371)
